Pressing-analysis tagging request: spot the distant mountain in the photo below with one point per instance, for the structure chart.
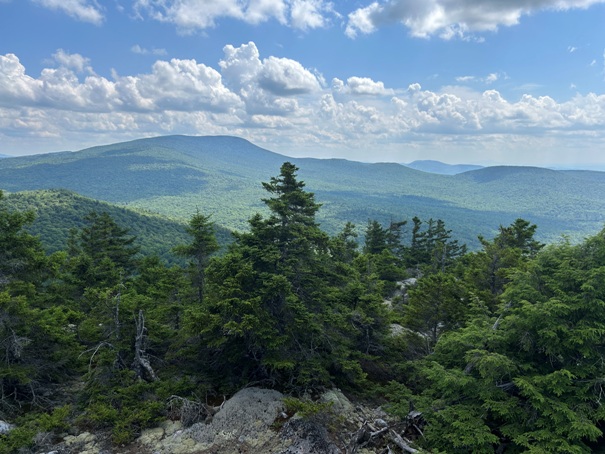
(441, 167)
(58, 211)
(177, 175)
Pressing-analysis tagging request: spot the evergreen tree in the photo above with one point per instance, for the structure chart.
(101, 254)
(37, 343)
(22, 259)
(274, 309)
(375, 238)
(436, 305)
(432, 249)
(488, 270)
(344, 247)
(528, 378)
(199, 251)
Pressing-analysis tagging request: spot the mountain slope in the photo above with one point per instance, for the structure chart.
(58, 211)
(176, 175)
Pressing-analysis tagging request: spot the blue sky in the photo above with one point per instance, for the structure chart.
(462, 81)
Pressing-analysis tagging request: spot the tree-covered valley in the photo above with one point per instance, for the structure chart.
(494, 349)
(222, 175)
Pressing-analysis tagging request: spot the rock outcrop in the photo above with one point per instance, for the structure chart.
(256, 421)
(252, 421)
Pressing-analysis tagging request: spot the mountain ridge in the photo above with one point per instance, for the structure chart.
(222, 176)
(433, 166)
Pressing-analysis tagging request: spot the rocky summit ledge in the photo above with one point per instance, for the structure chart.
(257, 421)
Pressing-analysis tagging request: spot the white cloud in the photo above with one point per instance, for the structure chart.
(487, 80)
(307, 14)
(274, 101)
(178, 85)
(137, 49)
(360, 86)
(284, 77)
(76, 62)
(185, 85)
(83, 10)
(451, 18)
(491, 78)
(192, 15)
(267, 86)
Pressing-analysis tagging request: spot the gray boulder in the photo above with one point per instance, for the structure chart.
(5, 427)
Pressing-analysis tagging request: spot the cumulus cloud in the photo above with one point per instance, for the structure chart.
(307, 14)
(267, 86)
(360, 86)
(450, 18)
(191, 15)
(76, 62)
(177, 85)
(254, 97)
(83, 10)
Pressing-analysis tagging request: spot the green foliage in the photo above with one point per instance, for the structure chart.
(125, 405)
(202, 246)
(275, 310)
(501, 349)
(306, 408)
(34, 426)
(59, 211)
(527, 379)
(174, 175)
(22, 260)
(436, 305)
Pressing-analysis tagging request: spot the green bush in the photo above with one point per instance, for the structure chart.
(24, 435)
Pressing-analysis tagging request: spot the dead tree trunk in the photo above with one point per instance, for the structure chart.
(141, 364)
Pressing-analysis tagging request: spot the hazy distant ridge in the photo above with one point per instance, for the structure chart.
(441, 168)
(222, 175)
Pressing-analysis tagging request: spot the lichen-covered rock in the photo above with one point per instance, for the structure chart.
(84, 443)
(243, 424)
(340, 404)
(308, 437)
(152, 436)
(5, 427)
(253, 421)
(243, 417)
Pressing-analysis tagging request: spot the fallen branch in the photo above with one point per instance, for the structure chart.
(399, 441)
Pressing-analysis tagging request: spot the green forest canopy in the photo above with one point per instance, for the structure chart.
(499, 350)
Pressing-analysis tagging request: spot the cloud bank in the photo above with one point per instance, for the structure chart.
(423, 18)
(450, 18)
(274, 101)
(192, 15)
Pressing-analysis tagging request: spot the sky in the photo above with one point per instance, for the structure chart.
(516, 82)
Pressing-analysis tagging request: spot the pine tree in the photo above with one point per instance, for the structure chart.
(101, 254)
(199, 251)
(22, 259)
(273, 311)
(529, 377)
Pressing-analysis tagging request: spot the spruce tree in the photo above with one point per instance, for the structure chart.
(199, 251)
(273, 311)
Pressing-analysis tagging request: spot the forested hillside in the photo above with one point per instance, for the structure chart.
(495, 350)
(57, 212)
(176, 175)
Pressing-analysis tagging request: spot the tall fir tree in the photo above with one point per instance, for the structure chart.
(199, 251)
